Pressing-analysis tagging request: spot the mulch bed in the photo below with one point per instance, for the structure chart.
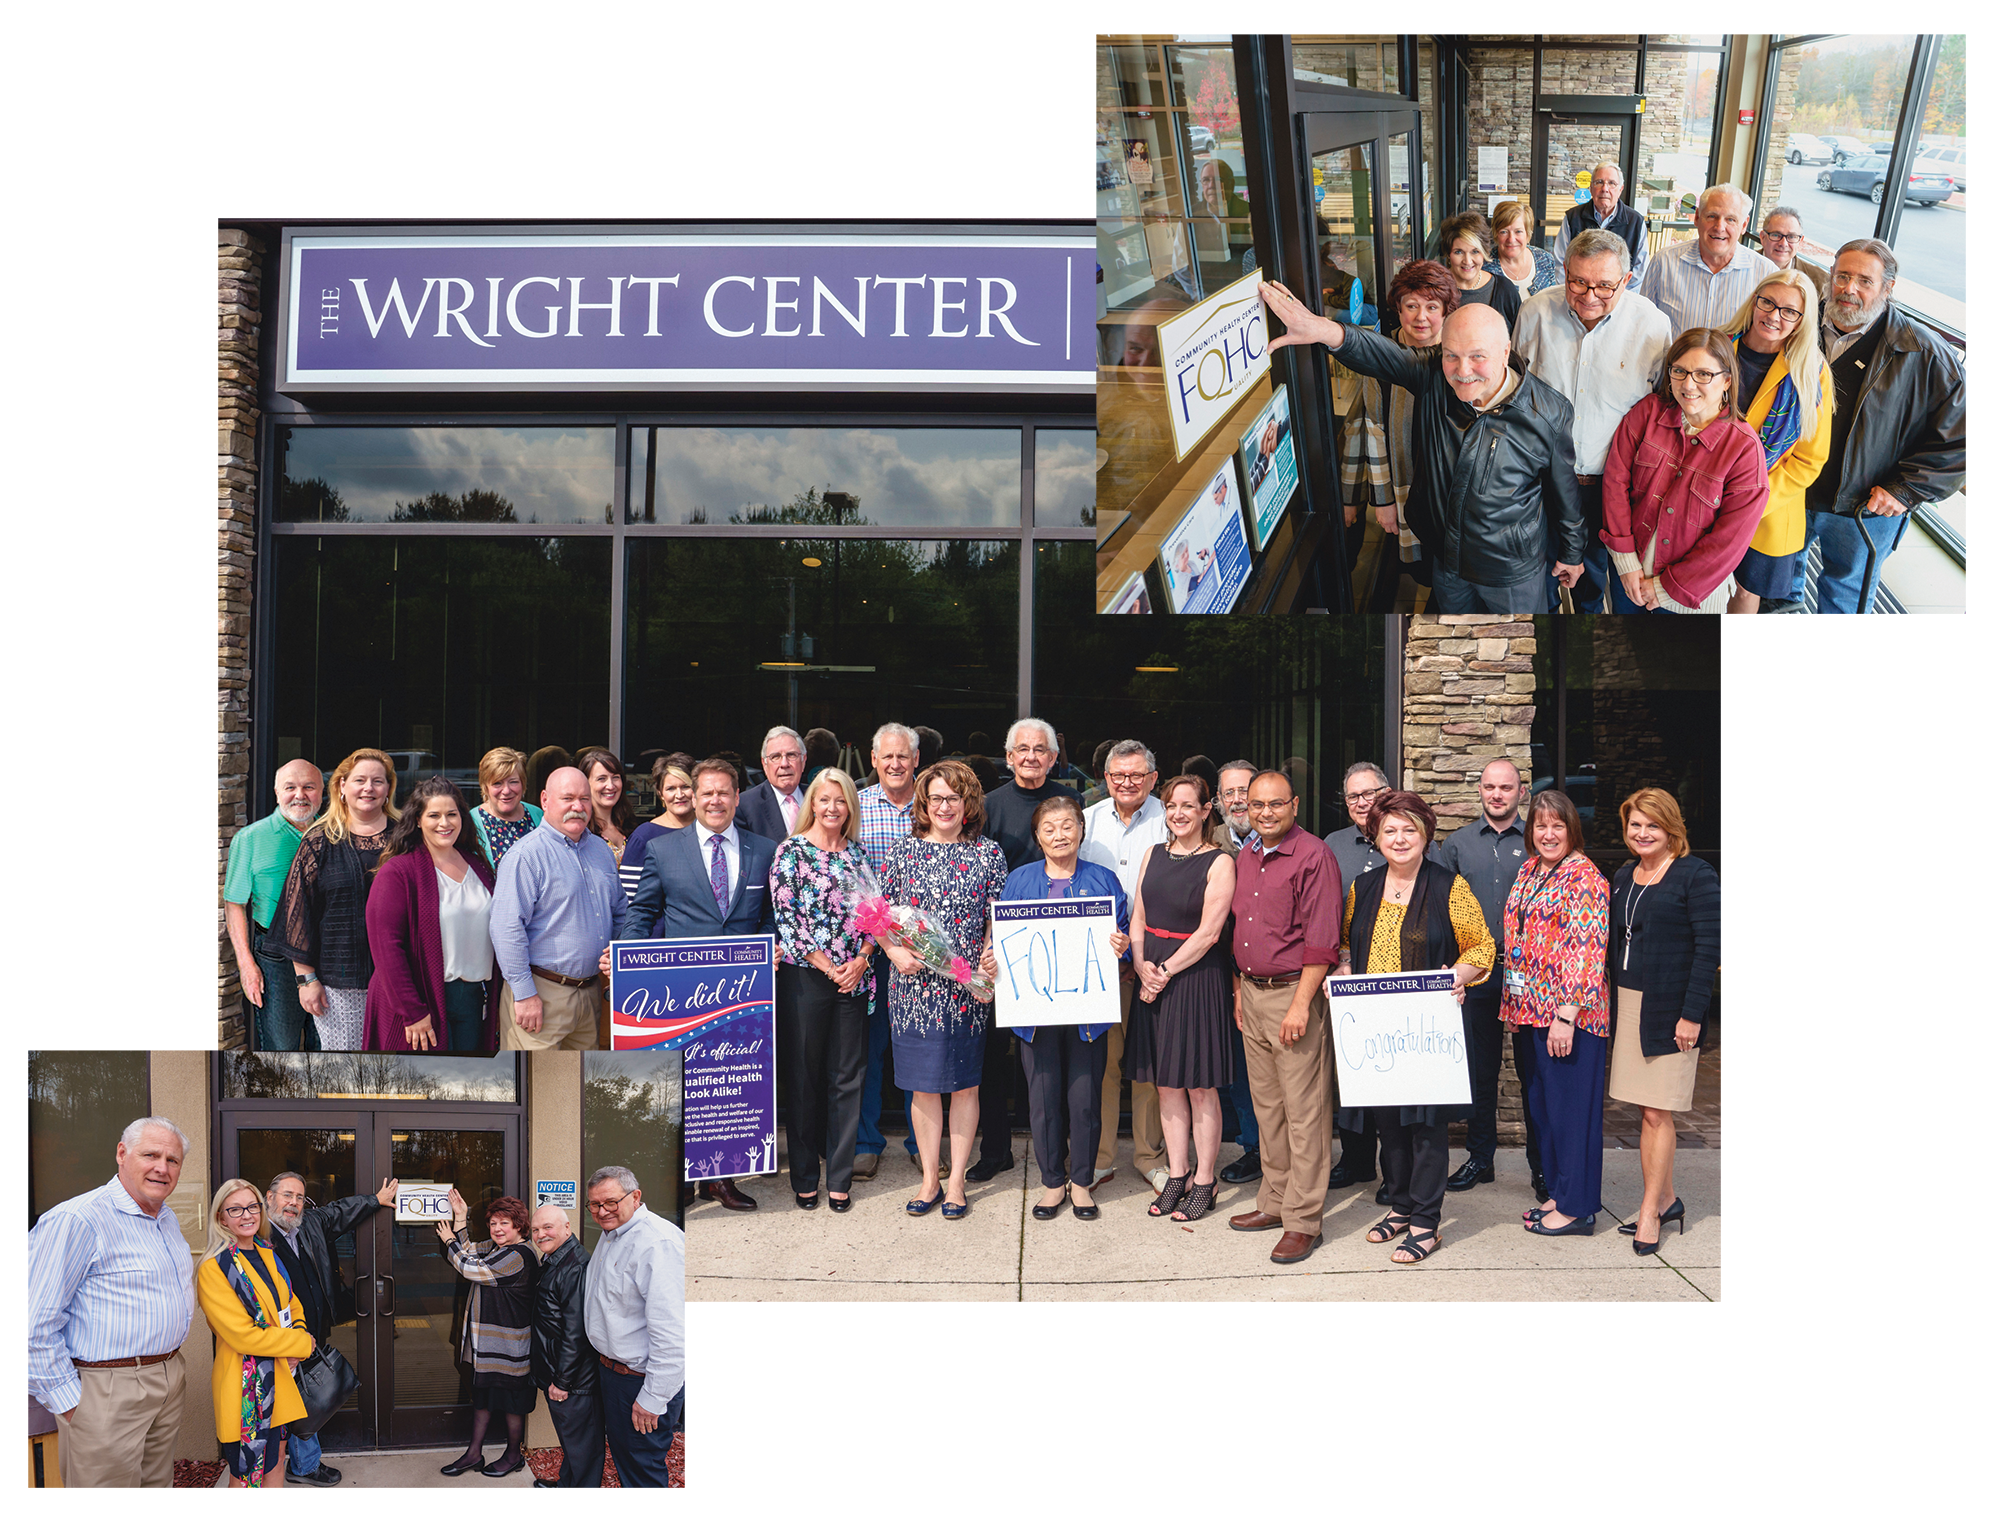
(545, 1461)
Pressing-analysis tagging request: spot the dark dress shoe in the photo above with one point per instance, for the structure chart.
(1344, 1176)
(321, 1476)
(1256, 1219)
(1248, 1167)
(1382, 1193)
(497, 1470)
(840, 1205)
(726, 1193)
(1469, 1176)
(462, 1465)
(1541, 1187)
(807, 1200)
(546, 1483)
(986, 1171)
(1293, 1247)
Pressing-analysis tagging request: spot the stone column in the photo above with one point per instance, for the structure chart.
(239, 320)
(1468, 697)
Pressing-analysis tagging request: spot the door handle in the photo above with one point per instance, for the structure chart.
(361, 1290)
(391, 1309)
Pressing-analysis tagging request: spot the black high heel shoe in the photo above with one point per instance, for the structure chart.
(1170, 1195)
(1200, 1199)
(1674, 1213)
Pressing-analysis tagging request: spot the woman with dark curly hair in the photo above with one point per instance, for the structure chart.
(493, 1337)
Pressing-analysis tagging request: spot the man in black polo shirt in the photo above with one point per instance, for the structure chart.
(1489, 852)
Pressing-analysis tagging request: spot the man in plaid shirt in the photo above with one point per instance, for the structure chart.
(885, 818)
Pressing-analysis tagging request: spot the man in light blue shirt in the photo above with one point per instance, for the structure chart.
(556, 905)
(1704, 282)
(110, 1298)
(634, 1314)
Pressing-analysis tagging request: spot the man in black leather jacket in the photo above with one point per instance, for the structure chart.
(564, 1364)
(1495, 496)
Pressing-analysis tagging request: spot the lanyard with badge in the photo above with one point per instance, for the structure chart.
(1517, 973)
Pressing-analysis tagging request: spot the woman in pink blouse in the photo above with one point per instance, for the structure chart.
(1557, 920)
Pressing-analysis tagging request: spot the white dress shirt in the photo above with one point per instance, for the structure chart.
(732, 854)
(465, 920)
(1604, 371)
(635, 1303)
(1122, 846)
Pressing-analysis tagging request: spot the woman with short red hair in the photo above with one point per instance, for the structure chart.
(493, 1338)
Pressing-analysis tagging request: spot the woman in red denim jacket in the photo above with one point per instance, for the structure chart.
(1684, 484)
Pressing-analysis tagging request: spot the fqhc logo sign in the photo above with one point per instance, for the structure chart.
(1214, 352)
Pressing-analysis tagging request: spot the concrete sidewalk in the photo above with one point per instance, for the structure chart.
(410, 1469)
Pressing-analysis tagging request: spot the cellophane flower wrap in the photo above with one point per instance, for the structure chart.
(910, 929)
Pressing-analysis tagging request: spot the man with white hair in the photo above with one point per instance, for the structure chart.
(260, 856)
(1607, 211)
(635, 1315)
(772, 806)
(885, 818)
(110, 1298)
(563, 1362)
(1705, 281)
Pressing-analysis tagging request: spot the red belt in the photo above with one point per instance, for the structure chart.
(1168, 933)
(131, 1361)
(619, 1367)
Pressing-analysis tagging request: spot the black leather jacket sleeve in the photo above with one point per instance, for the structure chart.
(560, 1351)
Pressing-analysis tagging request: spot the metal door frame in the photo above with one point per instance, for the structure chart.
(1584, 111)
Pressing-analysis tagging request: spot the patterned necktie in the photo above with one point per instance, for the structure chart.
(718, 875)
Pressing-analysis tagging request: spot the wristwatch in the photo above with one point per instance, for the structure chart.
(306, 979)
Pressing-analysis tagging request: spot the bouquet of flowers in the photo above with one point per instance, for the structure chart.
(909, 929)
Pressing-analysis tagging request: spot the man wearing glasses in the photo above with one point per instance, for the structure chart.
(1118, 832)
(1783, 239)
(1607, 211)
(1601, 345)
(634, 1312)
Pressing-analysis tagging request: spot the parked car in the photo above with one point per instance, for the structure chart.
(1200, 139)
(1804, 148)
(1844, 147)
(1944, 161)
(1865, 175)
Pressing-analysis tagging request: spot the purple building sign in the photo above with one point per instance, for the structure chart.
(663, 311)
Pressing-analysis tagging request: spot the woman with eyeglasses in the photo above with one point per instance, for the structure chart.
(1666, 940)
(1684, 483)
(1791, 408)
(937, 1028)
(260, 1333)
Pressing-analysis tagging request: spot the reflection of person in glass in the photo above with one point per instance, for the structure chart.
(1138, 161)
(260, 1335)
(493, 1337)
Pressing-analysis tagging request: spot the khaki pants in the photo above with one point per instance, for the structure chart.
(1149, 1141)
(1291, 1089)
(569, 1018)
(122, 1432)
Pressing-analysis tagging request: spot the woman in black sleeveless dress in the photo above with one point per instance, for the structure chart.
(1179, 1036)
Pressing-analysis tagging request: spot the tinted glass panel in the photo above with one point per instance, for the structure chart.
(632, 1118)
(1930, 240)
(325, 1161)
(79, 1102)
(1065, 478)
(463, 1079)
(455, 474)
(430, 1296)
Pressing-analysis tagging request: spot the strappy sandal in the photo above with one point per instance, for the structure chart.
(1200, 1199)
(1170, 1196)
(1388, 1229)
(1415, 1245)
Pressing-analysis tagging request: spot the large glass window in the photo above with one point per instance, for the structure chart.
(79, 1102)
(1066, 465)
(444, 474)
(1359, 63)
(437, 648)
(1677, 133)
(632, 1118)
(1930, 238)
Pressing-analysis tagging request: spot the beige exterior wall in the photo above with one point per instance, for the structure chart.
(181, 1093)
(555, 1150)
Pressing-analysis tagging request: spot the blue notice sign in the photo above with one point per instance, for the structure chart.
(560, 1191)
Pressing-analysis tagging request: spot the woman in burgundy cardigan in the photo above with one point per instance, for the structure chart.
(1684, 484)
(429, 912)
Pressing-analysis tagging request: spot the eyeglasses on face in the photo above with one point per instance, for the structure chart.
(1698, 376)
(1368, 796)
(1785, 313)
(1604, 290)
(241, 1210)
(608, 1205)
(944, 799)
(1271, 807)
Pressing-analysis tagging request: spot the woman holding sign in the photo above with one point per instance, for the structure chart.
(824, 987)
(1179, 1038)
(1064, 1062)
(1556, 922)
(937, 1028)
(1413, 915)
(493, 1337)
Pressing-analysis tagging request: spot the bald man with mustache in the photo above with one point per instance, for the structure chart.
(1495, 496)
(556, 905)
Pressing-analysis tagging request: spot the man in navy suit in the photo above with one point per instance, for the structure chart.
(707, 879)
(771, 807)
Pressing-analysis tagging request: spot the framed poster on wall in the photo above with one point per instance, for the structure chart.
(1205, 557)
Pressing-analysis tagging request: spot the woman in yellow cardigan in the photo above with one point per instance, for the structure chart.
(260, 1331)
(1791, 409)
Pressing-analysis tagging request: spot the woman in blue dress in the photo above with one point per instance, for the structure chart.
(937, 1028)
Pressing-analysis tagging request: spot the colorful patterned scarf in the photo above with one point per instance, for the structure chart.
(1782, 424)
(257, 1446)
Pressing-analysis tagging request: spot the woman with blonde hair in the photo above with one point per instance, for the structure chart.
(260, 1332)
(1787, 388)
(1666, 938)
(1530, 268)
(502, 819)
(320, 924)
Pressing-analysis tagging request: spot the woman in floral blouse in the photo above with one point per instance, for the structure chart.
(1557, 921)
(824, 987)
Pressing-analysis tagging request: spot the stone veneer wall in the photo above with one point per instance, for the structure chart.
(1468, 698)
(239, 320)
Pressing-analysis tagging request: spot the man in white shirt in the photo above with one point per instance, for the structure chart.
(1703, 283)
(1602, 346)
(634, 1315)
(1117, 833)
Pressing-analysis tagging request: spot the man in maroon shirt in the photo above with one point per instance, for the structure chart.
(1287, 934)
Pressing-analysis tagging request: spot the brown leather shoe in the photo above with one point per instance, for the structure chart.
(1256, 1219)
(726, 1193)
(1294, 1247)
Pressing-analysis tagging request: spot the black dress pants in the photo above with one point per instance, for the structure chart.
(1357, 1146)
(1484, 1035)
(579, 1423)
(1065, 1074)
(996, 1096)
(822, 1060)
(1414, 1162)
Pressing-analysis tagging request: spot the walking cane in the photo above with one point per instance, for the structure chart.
(1868, 543)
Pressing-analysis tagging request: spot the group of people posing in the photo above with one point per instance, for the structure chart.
(1664, 435)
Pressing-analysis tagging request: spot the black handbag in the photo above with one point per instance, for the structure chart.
(326, 1381)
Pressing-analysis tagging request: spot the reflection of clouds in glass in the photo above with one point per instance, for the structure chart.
(1065, 478)
(549, 474)
(960, 477)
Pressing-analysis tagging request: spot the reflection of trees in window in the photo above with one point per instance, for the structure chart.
(474, 506)
(79, 1102)
(632, 1118)
(313, 500)
(309, 1075)
(1944, 112)
(813, 506)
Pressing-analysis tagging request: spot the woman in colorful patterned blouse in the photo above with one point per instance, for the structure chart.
(502, 820)
(1557, 921)
(825, 986)
(1412, 915)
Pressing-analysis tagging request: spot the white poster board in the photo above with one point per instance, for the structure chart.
(1212, 354)
(1270, 465)
(1492, 168)
(423, 1202)
(1055, 962)
(1398, 1038)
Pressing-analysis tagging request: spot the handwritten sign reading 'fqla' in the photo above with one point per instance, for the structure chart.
(1398, 1038)
(423, 1202)
(1211, 354)
(1055, 962)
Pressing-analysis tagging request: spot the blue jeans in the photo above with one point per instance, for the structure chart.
(464, 1017)
(1451, 594)
(1844, 558)
(869, 1139)
(301, 1452)
(281, 1023)
(640, 1457)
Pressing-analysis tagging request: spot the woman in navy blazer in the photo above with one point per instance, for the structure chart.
(429, 910)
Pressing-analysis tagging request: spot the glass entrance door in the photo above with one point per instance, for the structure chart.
(1568, 147)
(397, 1302)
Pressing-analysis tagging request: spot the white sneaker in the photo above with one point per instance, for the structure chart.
(1158, 1177)
(1103, 1175)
